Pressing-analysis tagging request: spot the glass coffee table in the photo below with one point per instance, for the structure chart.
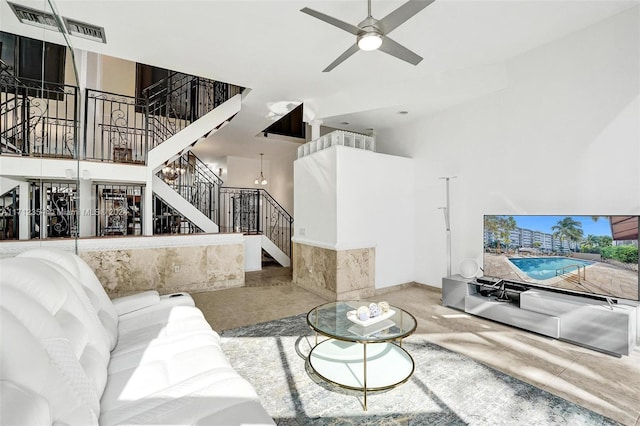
(361, 355)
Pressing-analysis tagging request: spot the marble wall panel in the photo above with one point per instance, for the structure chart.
(334, 274)
(168, 269)
(356, 274)
(314, 268)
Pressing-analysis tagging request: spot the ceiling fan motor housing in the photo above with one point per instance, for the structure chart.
(370, 36)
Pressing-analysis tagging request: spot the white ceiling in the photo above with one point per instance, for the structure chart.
(279, 52)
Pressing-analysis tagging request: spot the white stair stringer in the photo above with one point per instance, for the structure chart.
(275, 252)
(8, 146)
(7, 184)
(185, 208)
(182, 141)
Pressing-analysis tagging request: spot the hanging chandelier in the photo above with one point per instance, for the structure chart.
(260, 180)
(171, 173)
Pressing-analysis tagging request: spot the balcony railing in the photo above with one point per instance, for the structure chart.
(37, 118)
(114, 129)
(121, 128)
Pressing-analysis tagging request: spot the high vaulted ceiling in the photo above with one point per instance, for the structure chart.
(279, 52)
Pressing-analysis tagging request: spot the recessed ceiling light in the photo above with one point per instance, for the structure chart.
(345, 123)
(403, 112)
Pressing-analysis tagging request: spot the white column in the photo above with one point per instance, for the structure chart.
(23, 205)
(315, 129)
(147, 205)
(86, 207)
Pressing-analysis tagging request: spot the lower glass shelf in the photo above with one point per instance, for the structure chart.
(342, 363)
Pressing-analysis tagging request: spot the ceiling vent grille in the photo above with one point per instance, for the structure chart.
(39, 18)
(84, 30)
(48, 20)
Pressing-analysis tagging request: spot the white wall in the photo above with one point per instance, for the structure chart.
(315, 198)
(348, 198)
(562, 138)
(376, 208)
(241, 172)
(252, 253)
(118, 76)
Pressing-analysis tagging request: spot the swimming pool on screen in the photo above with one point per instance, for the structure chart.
(543, 268)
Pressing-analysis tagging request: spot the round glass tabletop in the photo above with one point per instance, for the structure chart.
(338, 320)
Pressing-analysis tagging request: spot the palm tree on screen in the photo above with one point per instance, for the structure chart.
(568, 229)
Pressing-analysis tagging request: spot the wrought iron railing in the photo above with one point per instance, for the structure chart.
(255, 211)
(9, 214)
(37, 118)
(114, 129)
(167, 220)
(195, 182)
(123, 128)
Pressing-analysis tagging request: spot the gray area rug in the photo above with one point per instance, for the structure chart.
(446, 388)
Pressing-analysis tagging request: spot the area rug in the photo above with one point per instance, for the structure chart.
(446, 388)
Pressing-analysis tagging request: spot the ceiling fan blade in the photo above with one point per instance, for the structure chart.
(399, 51)
(402, 14)
(347, 53)
(331, 20)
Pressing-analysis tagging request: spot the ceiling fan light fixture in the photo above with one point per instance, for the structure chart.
(370, 41)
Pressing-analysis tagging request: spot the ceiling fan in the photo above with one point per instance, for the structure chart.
(372, 33)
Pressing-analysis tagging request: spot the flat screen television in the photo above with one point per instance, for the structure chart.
(592, 255)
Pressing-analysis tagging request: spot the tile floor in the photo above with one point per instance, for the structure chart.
(602, 383)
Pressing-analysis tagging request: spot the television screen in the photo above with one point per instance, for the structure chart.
(587, 254)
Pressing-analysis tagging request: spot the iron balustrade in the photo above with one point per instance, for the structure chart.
(114, 130)
(120, 128)
(37, 118)
(255, 211)
(195, 182)
(10, 214)
(167, 220)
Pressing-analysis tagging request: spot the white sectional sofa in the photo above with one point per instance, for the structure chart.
(70, 355)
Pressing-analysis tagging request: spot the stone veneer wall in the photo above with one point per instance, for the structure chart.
(334, 274)
(200, 268)
(134, 264)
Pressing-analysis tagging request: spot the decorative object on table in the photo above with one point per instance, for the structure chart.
(355, 316)
(363, 313)
(374, 310)
(384, 307)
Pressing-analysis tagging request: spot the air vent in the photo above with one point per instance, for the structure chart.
(84, 30)
(48, 20)
(39, 18)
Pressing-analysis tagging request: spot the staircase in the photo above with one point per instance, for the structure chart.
(255, 211)
(156, 131)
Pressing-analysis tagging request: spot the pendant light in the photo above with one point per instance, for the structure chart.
(260, 180)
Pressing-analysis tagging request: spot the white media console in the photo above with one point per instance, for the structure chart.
(596, 324)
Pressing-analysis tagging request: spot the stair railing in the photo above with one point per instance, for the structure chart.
(195, 182)
(37, 118)
(255, 211)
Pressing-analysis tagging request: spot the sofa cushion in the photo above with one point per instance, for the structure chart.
(29, 408)
(216, 397)
(91, 285)
(48, 292)
(43, 367)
